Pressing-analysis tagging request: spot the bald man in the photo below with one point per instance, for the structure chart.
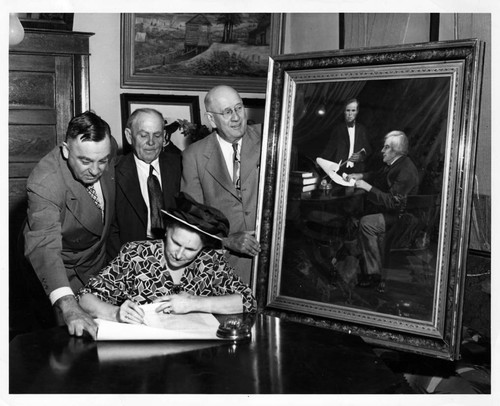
(212, 177)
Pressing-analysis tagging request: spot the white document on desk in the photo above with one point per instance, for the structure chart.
(159, 326)
(331, 169)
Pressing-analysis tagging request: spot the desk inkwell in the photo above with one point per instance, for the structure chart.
(325, 187)
(234, 329)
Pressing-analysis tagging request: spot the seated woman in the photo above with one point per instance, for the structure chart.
(183, 273)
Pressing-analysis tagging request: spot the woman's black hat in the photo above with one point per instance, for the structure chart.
(200, 217)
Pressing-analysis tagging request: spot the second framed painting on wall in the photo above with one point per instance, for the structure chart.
(196, 51)
(173, 108)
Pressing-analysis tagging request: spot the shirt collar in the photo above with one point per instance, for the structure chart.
(395, 159)
(222, 141)
(143, 166)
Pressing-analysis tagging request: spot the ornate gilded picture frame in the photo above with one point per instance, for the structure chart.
(312, 262)
(196, 51)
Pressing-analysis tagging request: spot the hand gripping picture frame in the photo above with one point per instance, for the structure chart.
(313, 264)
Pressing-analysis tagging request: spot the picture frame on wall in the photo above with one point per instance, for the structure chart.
(172, 107)
(196, 51)
(311, 261)
(255, 109)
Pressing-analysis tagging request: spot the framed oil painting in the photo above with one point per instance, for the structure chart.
(172, 108)
(196, 51)
(313, 264)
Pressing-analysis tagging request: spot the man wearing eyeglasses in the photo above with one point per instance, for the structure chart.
(222, 171)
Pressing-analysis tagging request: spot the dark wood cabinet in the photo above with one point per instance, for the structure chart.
(48, 84)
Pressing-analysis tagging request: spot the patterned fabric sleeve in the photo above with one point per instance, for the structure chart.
(113, 284)
(226, 281)
(223, 280)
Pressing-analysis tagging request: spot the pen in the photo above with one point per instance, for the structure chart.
(129, 297)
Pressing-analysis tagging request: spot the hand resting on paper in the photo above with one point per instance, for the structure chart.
(359, 182)
(184, 302)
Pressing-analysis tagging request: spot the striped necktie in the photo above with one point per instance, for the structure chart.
(93, 194)
(155, 204)
(236, 169)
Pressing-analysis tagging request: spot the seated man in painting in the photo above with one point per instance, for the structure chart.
(387, 190)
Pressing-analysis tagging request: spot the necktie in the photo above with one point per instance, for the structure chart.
(155, 204)
(93, 194)
(236, 169)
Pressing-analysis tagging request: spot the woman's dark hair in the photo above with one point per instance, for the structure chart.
(90, 126)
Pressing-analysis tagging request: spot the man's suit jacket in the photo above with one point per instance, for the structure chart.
(131, 212)
(64, 234)
(337, 147)
(391, 185)
(206, 178)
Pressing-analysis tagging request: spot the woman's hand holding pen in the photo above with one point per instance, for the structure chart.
(130, 312)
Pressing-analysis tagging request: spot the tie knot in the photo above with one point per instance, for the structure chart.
(235, 147)
(151, 170)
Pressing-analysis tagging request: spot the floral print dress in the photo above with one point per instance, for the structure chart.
(140, 273)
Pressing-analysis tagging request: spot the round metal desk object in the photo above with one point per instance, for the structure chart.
(235, 330)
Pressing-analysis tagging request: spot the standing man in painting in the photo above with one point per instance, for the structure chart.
(222, 171)
(349, 141)
(387, 192)
(71, 200)
(147, 180)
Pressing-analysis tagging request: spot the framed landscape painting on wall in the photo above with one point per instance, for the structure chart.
(196, 51)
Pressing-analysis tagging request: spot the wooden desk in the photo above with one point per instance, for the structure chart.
(282, 357)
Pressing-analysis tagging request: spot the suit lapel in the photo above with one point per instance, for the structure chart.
(344, 147)
(250, 152)
(79, 202)
(167, 181)
(216, 165)
(108, 191)
(128, 180)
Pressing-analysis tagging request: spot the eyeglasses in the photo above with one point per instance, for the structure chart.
(228, 113)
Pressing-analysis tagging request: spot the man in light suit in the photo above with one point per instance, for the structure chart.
(71, 195)
(146, 134)
(349, 141)
(209, 174)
